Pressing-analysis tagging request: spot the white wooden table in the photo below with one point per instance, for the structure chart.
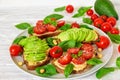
(16, 11)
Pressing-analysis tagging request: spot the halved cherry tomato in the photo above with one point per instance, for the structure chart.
(39, 23)
(112, 21)
(94, 16)
(90, 12)
(75, 25)
(15, 49)
(98, 22)
(87, 54)
(60, 23)
(39, 29)
(79, 60)
(104, 17)
(103, 42)
(106, 27)
(119, 48)
(51, 28)
(73, 50)
(114, 31)
(66, 59)
(87, 47)
(69, 8)
(56, 52)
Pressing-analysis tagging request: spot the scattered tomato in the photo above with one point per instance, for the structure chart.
(15, 49)
(69, 8)
(39, 30)
(39, 23)
(98, 22)
(56, 52)
(51, 28)
(94, 16)
(106, 27)
(103, 42)
(90, 12)
(87, 47)
(119, 48)
(75, 25)
(104, 17)
(112, 21)
(79, 60)
(60, 23)
(87, 54)
(114, 31)
(73, 50)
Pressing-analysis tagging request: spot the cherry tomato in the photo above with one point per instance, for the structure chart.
(112, 21)
(103, 42)
(39, 23)
(114, 31)
(106, 27)
(15, 49)
(87, 47)
(98, 22)
(66, 59)
(60, 23)
(87, 54)
(94, 16)
(73, 50)
(90, 12)
(56, 51)
(51, 28)
(39, 30)
(119, 48)
(69, 8)
(75, 25)
(79, 60)
(104, 17)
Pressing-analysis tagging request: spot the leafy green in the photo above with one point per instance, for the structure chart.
(65, 27)
(85, 26)
(59, 9)
(49, 70)
(104, 71)
(114, 37)
(68, 70)
(78, 44)
(30, 30)
(94, 61)
(77, 15)
(18, 39)
(87, 20)
(49, 40)
(118, 62)
(80, 53)
(50, 21)
(23, 26)
(55, 16)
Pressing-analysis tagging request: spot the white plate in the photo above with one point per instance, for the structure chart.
(107, 54)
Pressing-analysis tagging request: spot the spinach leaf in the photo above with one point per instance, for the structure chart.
(18, 39)
(104, 71)
(94, 61)
(50, 21)
(87, 20)
(23, 26)
(65, 27)
(49, 70)
(30, 30)
(59, 9)
(85, 26)
(68, 70)
(118, 62)
(56, 16)
(49, 40)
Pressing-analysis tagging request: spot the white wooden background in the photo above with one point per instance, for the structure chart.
(16, 11)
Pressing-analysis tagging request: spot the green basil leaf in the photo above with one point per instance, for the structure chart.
(104, 71)
(77, 15)
(118, 62)
(83, 10)
(30, 30)
(80, 53)
(78, 44)
(65, 27)
(68, 70)
(94, 61)
(49, 70)
(23, 26)
(59, 9)
(49, 21)
(87, 20)
(56, 16)
(18, 39)
(50, 41)
(85, 26)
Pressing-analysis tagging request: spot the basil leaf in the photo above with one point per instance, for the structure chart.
(56, 16)
(85, 26)
(67, 44)
(118, 62)
(49, 70)
(50, 41)
(77, 15)
(59, 9)
(18, 39)
(65, 27)
(87, 20)
(104, 71)
(78, 44)
(80, 53)
(114, 37)
(23, 26)
(94, 61)
(30, 30)
(68, 70)
(50, 21)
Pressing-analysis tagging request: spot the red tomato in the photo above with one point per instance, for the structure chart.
(69, 8)
(87, 47)
(103, 42)
(112, 21)
(15, 49)
(75, 25)
(39, 23)
(66, 59)
(39, 30)
(73, 50)
(79, 60)
(60, 23)
(119, 48)
(104, 17)
(114, 31)
(98, 22)
(94, 16)
(56, 51)
(87, 54)
(90, 12)
(51, 28)
(106, 27)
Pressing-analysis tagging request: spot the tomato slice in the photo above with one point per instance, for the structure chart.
(79, 60)
(87, 54)
(73, 50)
(60, 23)
(75, 25)
(87, 47)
